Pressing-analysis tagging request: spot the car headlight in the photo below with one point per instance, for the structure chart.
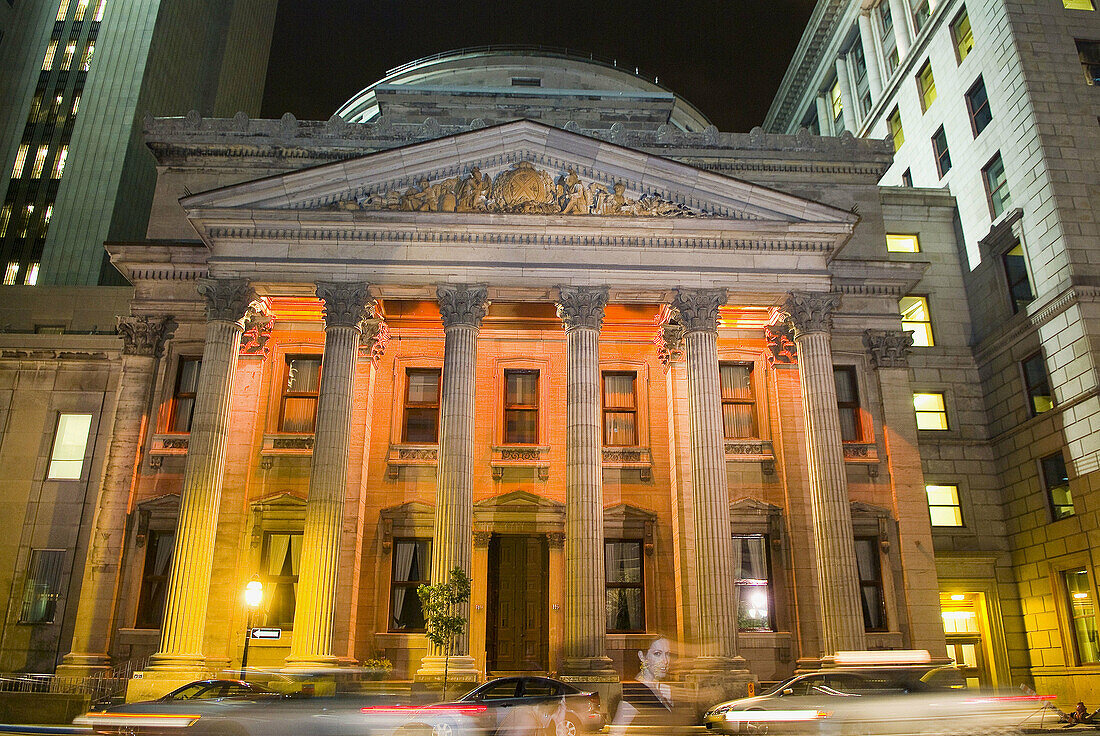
(720, 710)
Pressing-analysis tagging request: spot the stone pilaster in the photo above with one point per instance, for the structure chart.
(871, 54)
(581, 312)
(847, 95)
(142, 338)
(462, 308)
(834, 544)
(345, 307)
(901, 19)
(228, 303)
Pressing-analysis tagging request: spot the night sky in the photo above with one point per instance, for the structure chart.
(726, 57)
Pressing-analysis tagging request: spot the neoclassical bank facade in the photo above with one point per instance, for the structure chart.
(631, 374)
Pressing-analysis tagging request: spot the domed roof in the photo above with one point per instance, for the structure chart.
(512, 74)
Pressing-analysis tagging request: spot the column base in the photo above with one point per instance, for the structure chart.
(77, 664)
(597, 669)
(307, 663)
(712, 680)
(459, 668)
(161, 662)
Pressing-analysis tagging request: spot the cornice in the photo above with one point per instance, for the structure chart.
(808, 53)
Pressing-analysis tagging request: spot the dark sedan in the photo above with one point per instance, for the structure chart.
(580, 710)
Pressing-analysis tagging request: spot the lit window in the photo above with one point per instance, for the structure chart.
(59, 165)
(81, 9)
(47, 60)
(847, 402)
(154, 579)
(738, 401)
(39, 161)
(48, 215)
(870, 584)
(63, 11)
(917, 319)
(922, 11)
(926, 84)
(422, 405)
(521, 407)
(86, 62)
(931, 411)
(20, 161)
(1019, 285)
(69, 444)
(899, 243)
(28, 215)
(183, 397)
(5, 218)
(1037, 384)
(32, 275)
(837, 105)
(36, 109)
(11, 273)
(619, 410)
(962, 34)
(943, 505)
(1078, 5)
(76, 105)
(897, 134)
(303, 380)
(1056, 483)
(99, 8)
(279, 563)
(943, 155)
(977, 104)
(996, 186)
(411, 569)
(753, 581)
(1082, 611)
(1089, 53)
(625, 604)
(67, 57)
(42, 587)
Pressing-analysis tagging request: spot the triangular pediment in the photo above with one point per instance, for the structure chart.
(279, 500)
(520, 502)
(753, 506)
(624, 514)
(518, 168)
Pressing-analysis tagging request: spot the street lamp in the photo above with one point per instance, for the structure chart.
(253, 597)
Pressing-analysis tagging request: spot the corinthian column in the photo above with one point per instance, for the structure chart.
(95, 618)
(834, 545)
(345, 308)
(462, 309)
(581, 312)
(228, 304)
(697, 312)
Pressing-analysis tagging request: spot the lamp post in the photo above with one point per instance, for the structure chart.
(253, 597)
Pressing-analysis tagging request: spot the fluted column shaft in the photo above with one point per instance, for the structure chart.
(315, 605)
(581, 311)
(834, 542)
(181, 636)
(697, 313)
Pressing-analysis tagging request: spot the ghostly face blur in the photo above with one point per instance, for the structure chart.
(657, 658)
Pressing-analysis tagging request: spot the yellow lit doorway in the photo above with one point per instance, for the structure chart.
(967, 632)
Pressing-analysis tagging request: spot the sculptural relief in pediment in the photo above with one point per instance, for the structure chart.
(521, 189)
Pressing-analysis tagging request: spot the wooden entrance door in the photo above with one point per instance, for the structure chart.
(518, 621)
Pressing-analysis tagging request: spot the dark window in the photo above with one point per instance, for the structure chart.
(282, 552)
(303, 381)
(1037, 384)
(753, 580)
(42, 587)
(943, 155)
(500, 690)
(1089, 53)
(1019, 285)
(526, 82)
(738, 401)
(922, 11)
(620, 410)
(624, 588)
(183, 398)
(907, 178)
(154, 579)
(977, 103)
(422, 405)
(870, 584)
(521, 407)
(847, 401)
(411, 569)
(996, 186)
(1056, 482)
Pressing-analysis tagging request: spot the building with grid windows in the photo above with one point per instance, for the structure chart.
(995, 101)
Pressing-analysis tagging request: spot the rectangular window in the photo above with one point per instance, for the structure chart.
(926, 86)
(1078, 5)
(59, 165)
(1089, 53)
(69, 443)
(943, 505)
(86, 61)
(1037, 384)
(67, 57)
(625, 590)
(411, 569)
(753, 579)
(5, 219)
(897, 134)
(81, 9)
(32, 274)
(39, 161)
(943, 155)
(422, 405)
(1056, 482)
(47, 60)
(303, 381)
(870, 584)
(11, 273)
(20, 161)
(42, 587)
(99, 8)
(738, 401)
(977, 104)
(1019, 285)
(620, 410)
(183, 398)
(521, 407)
(922, 12)
(902, 243)
(63, 11)
(847, 401)
(837, 104)
(1082, 612)
(907, 178)
(931, 411)
(154, 579)
(916, 317)
(279, 564)
(962, 34)
(996, 186)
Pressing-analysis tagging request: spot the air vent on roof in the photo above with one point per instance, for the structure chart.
(526, 82)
